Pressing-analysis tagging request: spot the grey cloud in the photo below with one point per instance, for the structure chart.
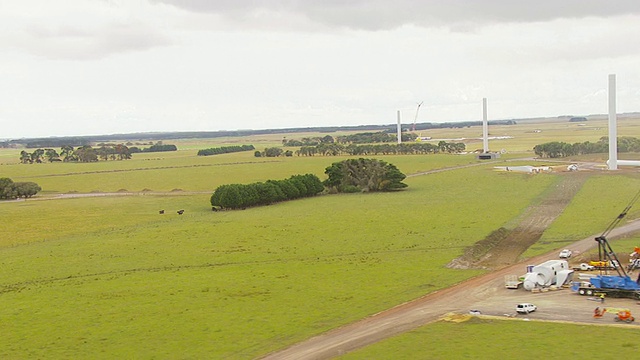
(385, 14)
(74, 43)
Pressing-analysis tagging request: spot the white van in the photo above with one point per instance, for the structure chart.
(525, 308)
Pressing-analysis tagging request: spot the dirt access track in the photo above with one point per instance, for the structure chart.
(486, 293)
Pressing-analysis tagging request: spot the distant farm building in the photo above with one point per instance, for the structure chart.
(578, 119)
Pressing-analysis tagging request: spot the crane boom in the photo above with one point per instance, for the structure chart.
(605, 252)
(413, 128)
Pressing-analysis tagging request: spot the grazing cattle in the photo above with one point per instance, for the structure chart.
(180, 212)
(161, 211)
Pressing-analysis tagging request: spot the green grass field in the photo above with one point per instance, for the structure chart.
(108, 276)
(502, 339)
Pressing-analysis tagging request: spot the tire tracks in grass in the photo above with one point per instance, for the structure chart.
(144, 169)
(19, 286)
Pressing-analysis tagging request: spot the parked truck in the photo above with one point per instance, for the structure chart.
(596, 265)
(512, 281)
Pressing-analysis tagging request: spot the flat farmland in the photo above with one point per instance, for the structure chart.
(108, 276)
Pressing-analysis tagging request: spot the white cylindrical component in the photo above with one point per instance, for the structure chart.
(545, 276)
(627, 162)
(485, 127)
(533, 280)
(613, 125)
(399, 129)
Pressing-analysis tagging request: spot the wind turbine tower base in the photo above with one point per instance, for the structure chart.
(488, 156)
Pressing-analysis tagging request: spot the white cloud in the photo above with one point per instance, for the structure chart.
(98, 66)
(385, 14)
(77, 29)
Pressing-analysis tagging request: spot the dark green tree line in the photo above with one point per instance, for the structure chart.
(239, 196)
(557, 149)
(157, 147)
(413, 148)
(225, 150)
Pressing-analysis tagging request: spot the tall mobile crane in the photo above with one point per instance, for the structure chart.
(611, 285)
(413, 128)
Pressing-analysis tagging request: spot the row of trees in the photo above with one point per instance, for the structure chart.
(366, 138)
(10, 190)
(225, 150)
(239, 196)
(158, 147)
(87, 153)
(557, 149)
(84, 153)
(309, 141)
(381, 149)
(273, 152)
(360, 138)
(364, 175)
(352, 175)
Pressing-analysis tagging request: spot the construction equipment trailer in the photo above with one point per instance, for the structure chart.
(621, 285)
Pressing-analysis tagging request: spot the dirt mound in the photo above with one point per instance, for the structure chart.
(503, 247)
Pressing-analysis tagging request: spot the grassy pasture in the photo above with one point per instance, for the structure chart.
(602, 199)
(501, 339)
(239, 283)
(183, 170)
(106, 277)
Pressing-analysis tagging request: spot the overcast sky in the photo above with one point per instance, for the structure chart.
(88, 67)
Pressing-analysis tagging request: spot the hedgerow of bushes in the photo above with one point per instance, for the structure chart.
(239, 196)
(12, 190)
(225, 150)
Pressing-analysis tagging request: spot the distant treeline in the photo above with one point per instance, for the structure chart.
(381, 149)
(154, 148)
(239, 196)
(87, 153)
(84, 153)
(225, 150)
(360, 138)
(557, 149)
(90, 139)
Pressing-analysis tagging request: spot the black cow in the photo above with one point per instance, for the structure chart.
(180, 212)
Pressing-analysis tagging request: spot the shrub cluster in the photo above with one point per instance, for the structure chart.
(225, 150)
(239, 196)
(364, 175)
(12, 190)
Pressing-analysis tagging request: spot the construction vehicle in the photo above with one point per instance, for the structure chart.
(585, 267)
(622, 315)
(621, 285)
(596, 265)
(634, 259)
(603, 264)
(512, 281)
